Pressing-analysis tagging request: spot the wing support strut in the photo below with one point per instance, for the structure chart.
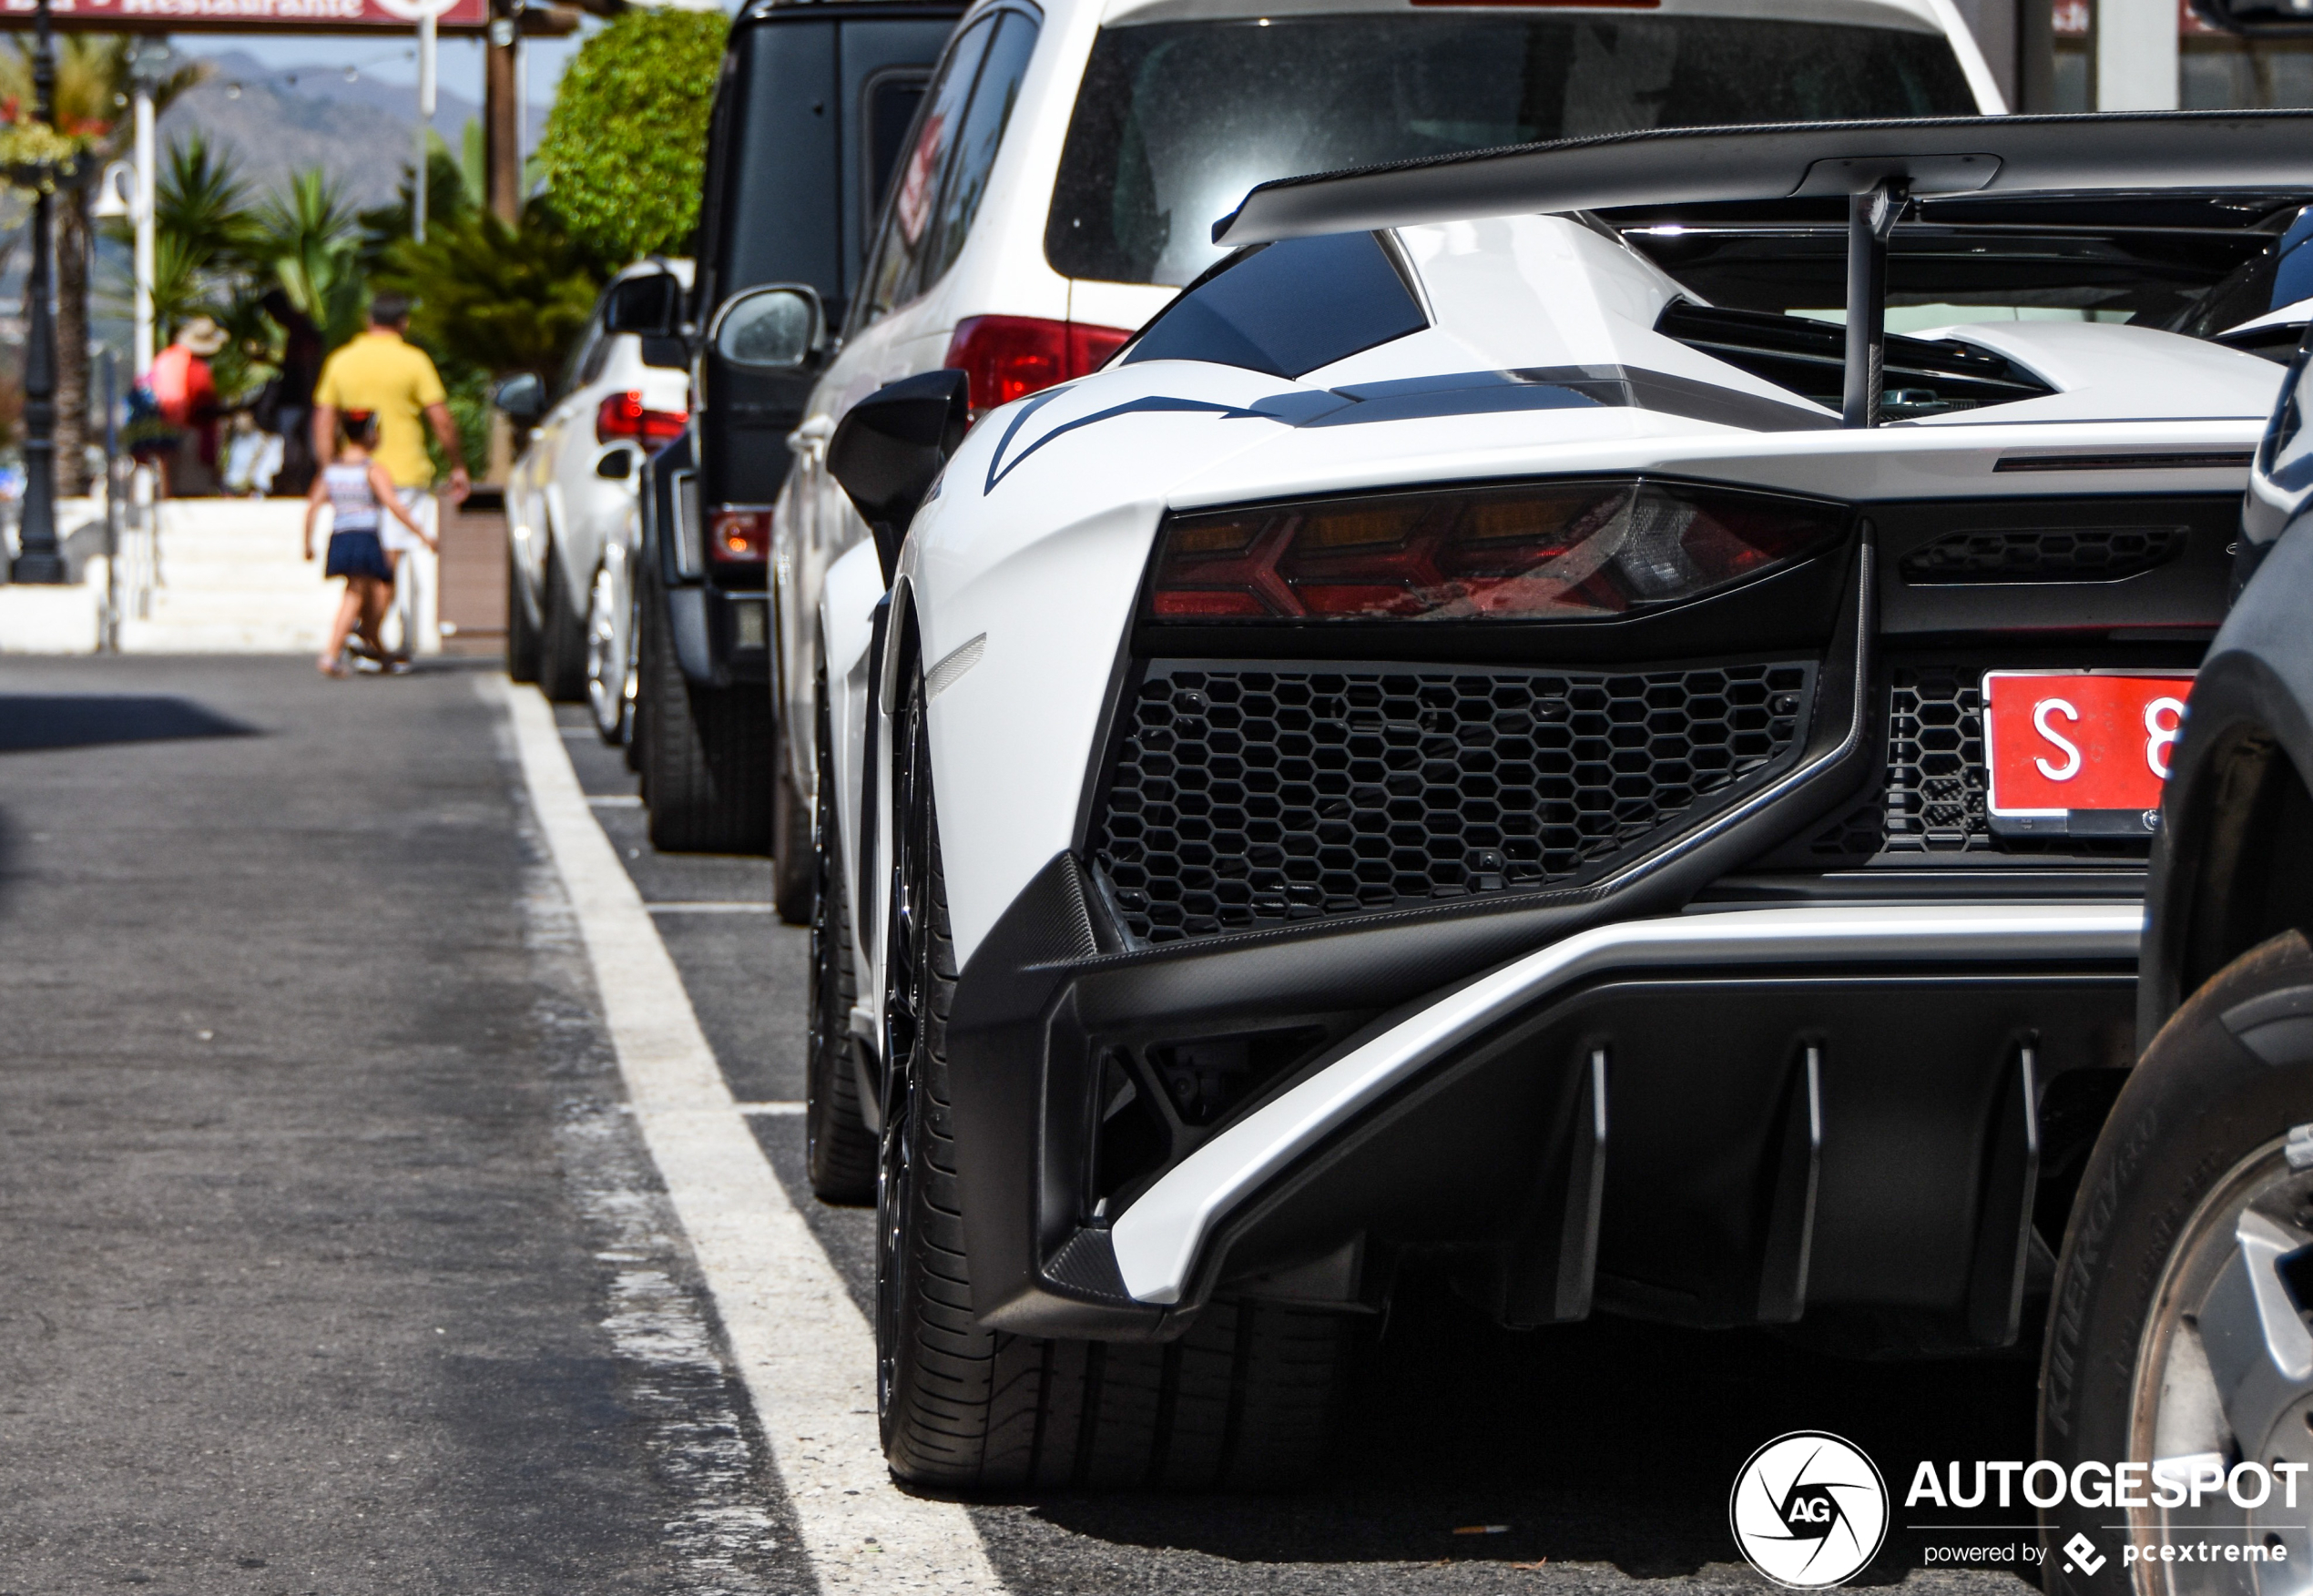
(1870, 217)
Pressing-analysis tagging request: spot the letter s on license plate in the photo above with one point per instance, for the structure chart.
(2080, 753)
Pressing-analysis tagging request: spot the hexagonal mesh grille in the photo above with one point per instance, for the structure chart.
(2084, 554)
(1937, 784)
(1251, 795)
(1936, 774)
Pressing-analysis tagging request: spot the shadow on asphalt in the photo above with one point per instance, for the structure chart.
(31, 722)
(1605, 1442)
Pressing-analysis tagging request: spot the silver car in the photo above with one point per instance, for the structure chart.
(570, 509)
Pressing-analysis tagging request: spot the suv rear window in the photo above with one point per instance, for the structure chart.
(1177, 120)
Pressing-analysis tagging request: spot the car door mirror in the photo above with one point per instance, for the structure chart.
(2258, 18)
(649, 304)
(522, 397)
(890, 448)
(771, 329)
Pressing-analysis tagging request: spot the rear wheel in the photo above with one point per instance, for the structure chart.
(705, 754)
(634, 684)
(522, 637)
(839, 1148)
(2179, 1335)
(609, 655)
(794, 869)
(1243, 1400)
(561, 636)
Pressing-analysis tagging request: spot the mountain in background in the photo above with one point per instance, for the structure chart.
(279, 121)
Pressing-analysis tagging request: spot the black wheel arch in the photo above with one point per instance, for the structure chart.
(2234, 864)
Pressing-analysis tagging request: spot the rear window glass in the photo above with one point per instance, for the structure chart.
(899, 249)
(1177, 120)
(976, 145)
(779, 221)
(891, 103)
(1287, 309)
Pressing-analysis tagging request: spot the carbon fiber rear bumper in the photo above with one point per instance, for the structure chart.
(1712, 1117)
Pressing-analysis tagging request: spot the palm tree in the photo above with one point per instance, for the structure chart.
(500, 299)
(94, 81)
(182, 288)
(201, 201)
(310, 242)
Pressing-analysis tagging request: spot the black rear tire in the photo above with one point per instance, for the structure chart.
(634, 676)
(561, 637)
(705, 754)
(840, 1149)
(794, 869)
(522, 637)
(1244, 1400)
(2198, 1104)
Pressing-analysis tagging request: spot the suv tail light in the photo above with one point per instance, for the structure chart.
(1552, 551)
(739, 535)
(1011, 357)
(622, 417)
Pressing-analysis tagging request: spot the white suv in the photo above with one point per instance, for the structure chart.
(1064, 171)
(570, 507)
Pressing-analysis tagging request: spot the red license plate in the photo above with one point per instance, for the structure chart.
(2080, 753)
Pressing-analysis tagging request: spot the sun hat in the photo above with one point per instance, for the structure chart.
(201, 336)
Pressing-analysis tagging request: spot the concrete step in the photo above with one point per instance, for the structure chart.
(53, 620)
(222, 637)
(233, 580)
(175, 605)
(183, 575)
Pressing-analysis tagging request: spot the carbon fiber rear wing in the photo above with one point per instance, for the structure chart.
(1878, 166)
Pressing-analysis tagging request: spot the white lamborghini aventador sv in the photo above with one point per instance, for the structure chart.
(1518, 736)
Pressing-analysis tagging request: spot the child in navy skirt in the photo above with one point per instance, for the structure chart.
(358, 491)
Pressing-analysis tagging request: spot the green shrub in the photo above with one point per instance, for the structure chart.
(626, 143)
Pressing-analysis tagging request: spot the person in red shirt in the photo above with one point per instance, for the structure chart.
(185, 394)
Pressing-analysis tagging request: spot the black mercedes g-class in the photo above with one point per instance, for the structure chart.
(814, 102)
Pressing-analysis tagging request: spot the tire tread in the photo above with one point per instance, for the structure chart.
(1244, 1398)
(706, 755)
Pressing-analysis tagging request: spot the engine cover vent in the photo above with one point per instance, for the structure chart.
(1247, 794)
(2076, 553)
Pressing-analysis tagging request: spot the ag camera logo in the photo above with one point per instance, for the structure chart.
(1809, 1511)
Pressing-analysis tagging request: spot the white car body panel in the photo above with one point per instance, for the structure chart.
(1042, 529)
(847, 607)
(1003, 269)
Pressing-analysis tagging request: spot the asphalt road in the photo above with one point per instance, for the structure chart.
(334, 1265)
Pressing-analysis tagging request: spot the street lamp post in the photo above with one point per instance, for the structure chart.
(150, 62)
(37, 557)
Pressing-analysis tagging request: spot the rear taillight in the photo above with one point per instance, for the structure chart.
(739, 535)
(1556, 550)
(622, 417)
(1011, 357)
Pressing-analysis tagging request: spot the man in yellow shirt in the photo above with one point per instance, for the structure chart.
(381, 372)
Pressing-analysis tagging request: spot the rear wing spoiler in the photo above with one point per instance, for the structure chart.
(1878, 166)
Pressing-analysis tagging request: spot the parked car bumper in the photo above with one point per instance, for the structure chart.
(1714, 1118)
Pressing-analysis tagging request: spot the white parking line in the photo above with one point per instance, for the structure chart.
(682, 907)
(801, 1345)
(616, 800)
(768, 1108)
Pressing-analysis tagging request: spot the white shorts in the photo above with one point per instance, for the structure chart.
(397, 538)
